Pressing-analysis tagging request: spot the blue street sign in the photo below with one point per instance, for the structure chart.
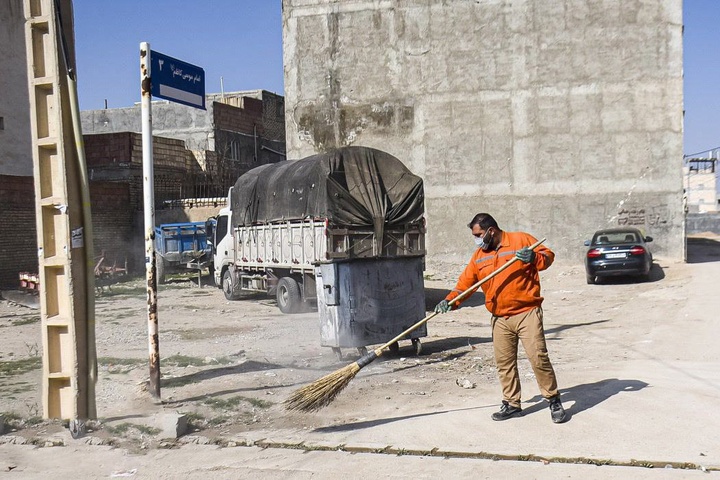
(177, 81)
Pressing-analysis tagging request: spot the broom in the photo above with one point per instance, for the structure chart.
(323, 391)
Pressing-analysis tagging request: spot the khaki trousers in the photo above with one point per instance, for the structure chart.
(528, 328)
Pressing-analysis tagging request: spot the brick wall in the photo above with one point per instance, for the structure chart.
(117, 157)
(113, 223)
(18, 244)
(112, 226)
(117, 149)
(247, 120)
(108, 149)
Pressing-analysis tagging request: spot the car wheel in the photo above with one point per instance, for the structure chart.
(228, 286)
(289, 299)
(591, 279)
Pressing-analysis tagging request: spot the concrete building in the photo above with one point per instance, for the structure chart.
(558, 117)
(237, 132)
(700, 184)
(18, 246)
(15, 139)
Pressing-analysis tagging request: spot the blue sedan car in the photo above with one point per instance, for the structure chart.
(618, 251)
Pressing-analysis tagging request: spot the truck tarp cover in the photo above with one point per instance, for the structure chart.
(351, 186)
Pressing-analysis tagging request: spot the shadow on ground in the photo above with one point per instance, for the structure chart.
(196, 377)
(657, 273)
(382, 421)
(554, 331)
(587, 395)
(702, 250)
(584, 397)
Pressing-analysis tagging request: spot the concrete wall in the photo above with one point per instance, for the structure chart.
(15, 137)
(558, 117)
(703, 223)
(170, 120)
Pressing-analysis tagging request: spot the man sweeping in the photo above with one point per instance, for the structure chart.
(513, 298)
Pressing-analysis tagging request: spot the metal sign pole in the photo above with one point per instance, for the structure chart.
(149, 208)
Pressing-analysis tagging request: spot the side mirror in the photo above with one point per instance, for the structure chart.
(586, 243)
(648, 239)
(210, 232)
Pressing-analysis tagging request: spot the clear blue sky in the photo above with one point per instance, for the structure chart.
(701, 66)
(241, 41)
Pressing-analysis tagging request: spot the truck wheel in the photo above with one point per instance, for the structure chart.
(289, 299)
(160, 270)
(228, 286)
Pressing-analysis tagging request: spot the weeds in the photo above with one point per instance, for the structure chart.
(215, 421)
(195, 421)
(185, 361)
(123, 428)
(144, 429)
(35, 420)
(120, 429)
(13, 420)
(33, 409)
(119, 361)
(233, 402)
(120, 365)
(20, 367)
(25, 321)
(17, 388)
(33, 349)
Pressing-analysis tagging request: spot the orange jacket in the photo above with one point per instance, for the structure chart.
(514, 290)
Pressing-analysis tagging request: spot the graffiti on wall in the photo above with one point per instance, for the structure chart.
(634, 217)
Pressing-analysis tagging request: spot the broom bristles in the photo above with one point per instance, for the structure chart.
(322, 391)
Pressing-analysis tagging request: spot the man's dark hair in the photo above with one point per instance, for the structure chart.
(484, 220)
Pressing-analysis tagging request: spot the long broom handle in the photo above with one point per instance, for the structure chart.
(378, 351)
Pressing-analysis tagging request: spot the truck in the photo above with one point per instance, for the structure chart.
(343, 231)
(180, 247)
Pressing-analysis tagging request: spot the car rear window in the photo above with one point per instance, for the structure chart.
(616, 237)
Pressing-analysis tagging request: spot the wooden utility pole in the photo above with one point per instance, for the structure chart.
(62, 211)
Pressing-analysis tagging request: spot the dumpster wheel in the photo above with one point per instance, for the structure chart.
(362, 351)
(338, 353)
(394, 349)
(417, 346)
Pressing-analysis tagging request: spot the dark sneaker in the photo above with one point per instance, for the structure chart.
(557, 412)
(506, 411)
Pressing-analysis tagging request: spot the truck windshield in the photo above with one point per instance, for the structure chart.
(221, 228)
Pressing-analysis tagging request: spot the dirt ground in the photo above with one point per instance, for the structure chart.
(230, 365)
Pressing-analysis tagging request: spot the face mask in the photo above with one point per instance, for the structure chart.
(481, 242)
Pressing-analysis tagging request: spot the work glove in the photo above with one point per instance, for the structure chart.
(525, 255)
(443, 307)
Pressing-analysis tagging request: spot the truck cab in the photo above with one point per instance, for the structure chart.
(223, 253)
